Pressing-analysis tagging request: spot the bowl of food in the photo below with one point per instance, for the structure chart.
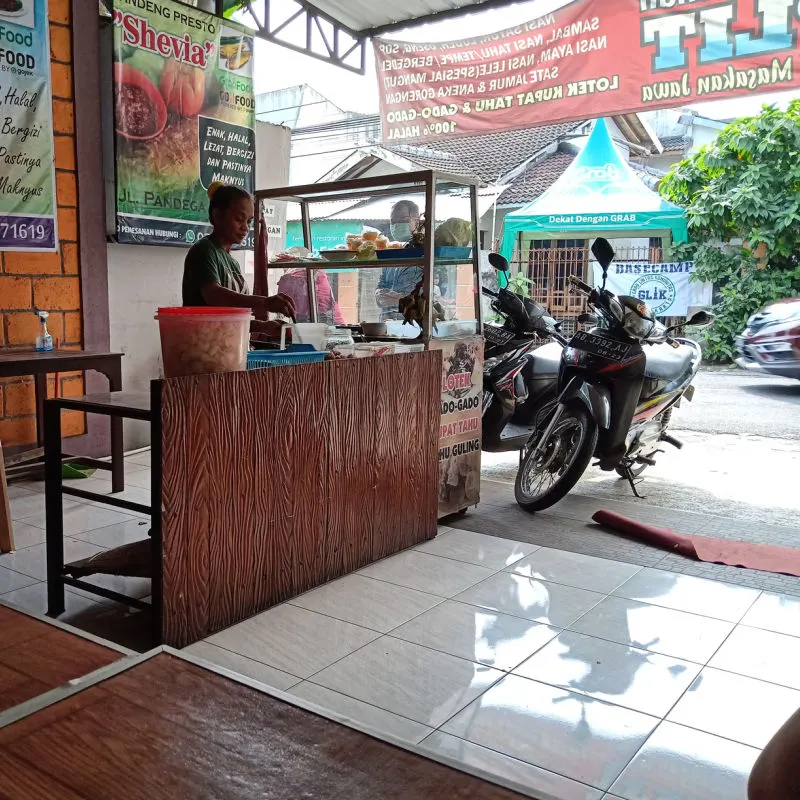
(337, 255)
(141, 112)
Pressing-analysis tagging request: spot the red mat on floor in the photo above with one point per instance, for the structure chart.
(766, 557)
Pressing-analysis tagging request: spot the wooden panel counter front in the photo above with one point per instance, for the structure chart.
(275, 481)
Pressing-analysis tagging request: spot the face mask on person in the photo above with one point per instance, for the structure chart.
(401, 231)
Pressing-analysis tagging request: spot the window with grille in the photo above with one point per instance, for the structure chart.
(550, 263)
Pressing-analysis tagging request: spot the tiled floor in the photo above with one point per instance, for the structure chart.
(577, 677)
(90, 528)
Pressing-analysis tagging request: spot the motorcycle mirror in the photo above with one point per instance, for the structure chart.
(498, 262)
(587, 319)
(603, 252)
(701, 318)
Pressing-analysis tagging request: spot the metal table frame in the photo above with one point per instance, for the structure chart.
(117, 406)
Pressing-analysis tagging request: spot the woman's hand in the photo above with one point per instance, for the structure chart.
(277, 304)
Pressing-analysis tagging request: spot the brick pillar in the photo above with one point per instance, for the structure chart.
(47, 281)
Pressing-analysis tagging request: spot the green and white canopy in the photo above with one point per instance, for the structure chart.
(599, 194)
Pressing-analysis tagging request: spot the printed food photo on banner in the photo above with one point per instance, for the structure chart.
(27, 173)
(185, 118)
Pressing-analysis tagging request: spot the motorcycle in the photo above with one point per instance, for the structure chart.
(618, 385)
(520, 372)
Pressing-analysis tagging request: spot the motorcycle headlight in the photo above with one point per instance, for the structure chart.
(636, 326)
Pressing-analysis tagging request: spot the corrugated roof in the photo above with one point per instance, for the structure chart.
(675, 144)
(537, 178)
(365, 16)
(488, 157)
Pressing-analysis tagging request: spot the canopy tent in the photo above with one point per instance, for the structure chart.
(599, 194)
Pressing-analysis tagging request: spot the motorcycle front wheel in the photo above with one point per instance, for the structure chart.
(547, 473)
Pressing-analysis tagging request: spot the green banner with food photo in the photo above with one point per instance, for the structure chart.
(184, 118)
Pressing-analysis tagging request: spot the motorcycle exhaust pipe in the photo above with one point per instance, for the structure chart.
(676, 443)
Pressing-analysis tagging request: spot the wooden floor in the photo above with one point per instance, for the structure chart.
(168, 729)
(36, 657)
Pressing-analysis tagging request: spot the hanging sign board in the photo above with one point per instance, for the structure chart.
(184, 118)
(27, 172)
(607, 56)
(460, 426)
(666, 289)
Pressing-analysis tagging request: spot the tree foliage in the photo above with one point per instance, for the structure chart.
(745, 188)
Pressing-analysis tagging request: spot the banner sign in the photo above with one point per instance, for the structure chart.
(460, 428)
(27, 170)
(184, 118)
(589, 58)
(666, 289)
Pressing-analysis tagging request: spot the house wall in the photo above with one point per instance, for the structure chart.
(47, 281)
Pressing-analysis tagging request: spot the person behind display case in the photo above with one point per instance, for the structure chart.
(211, 275)
(293, 284)
(398, 282)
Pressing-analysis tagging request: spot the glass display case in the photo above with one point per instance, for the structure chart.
(372, 242)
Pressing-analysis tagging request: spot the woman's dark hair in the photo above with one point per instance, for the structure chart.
(223, 197)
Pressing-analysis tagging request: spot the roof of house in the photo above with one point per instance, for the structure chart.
(488, 157)
(536, 178)
(675, 144)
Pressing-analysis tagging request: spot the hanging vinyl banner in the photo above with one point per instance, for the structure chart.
(589, 58)
(27, 172)
(184, 118)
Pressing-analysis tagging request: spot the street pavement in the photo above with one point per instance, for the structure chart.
(741, 455)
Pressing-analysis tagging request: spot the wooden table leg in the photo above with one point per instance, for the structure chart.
(6, 532)
(114, 374)
(54, 520)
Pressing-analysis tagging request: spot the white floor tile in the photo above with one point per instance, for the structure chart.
(81, 517)
(760, 654)
(143, 458)
(33, 560)
(139, 478)
(660, 630)
(679, 763)
(34, 598)
(363, 601)
(775, 612)
(406, 679)
(132, 493)
(121, 533)
(27, 504)
(686, 593)
(743, 709)
(10, 580)
(426, 573)
(613, 672)
(379, 720)
(550, 603)
(293, 640)
(26, 535)
(477, 634)
(575, 736)
(575, 569)
(242, 665)
(533, 779)
(18, 489)
(477, 548)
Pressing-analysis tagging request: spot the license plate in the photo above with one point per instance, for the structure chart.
(600, 346)
(495, 335)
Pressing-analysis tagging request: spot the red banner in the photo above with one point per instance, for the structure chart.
(590, 58)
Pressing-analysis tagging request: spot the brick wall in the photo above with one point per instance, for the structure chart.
(46, 281)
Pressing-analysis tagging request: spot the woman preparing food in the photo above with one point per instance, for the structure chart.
(211, 275)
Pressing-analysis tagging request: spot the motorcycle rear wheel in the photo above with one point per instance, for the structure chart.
(545, 477)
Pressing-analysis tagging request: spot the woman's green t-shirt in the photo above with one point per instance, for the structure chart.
(207, 262)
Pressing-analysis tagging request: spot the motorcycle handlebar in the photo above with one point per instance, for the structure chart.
(584, 287)
(490, 292)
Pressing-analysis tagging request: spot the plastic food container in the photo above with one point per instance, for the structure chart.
(293, 355)
(202, 340)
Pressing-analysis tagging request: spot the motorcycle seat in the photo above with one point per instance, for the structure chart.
(665, 362)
